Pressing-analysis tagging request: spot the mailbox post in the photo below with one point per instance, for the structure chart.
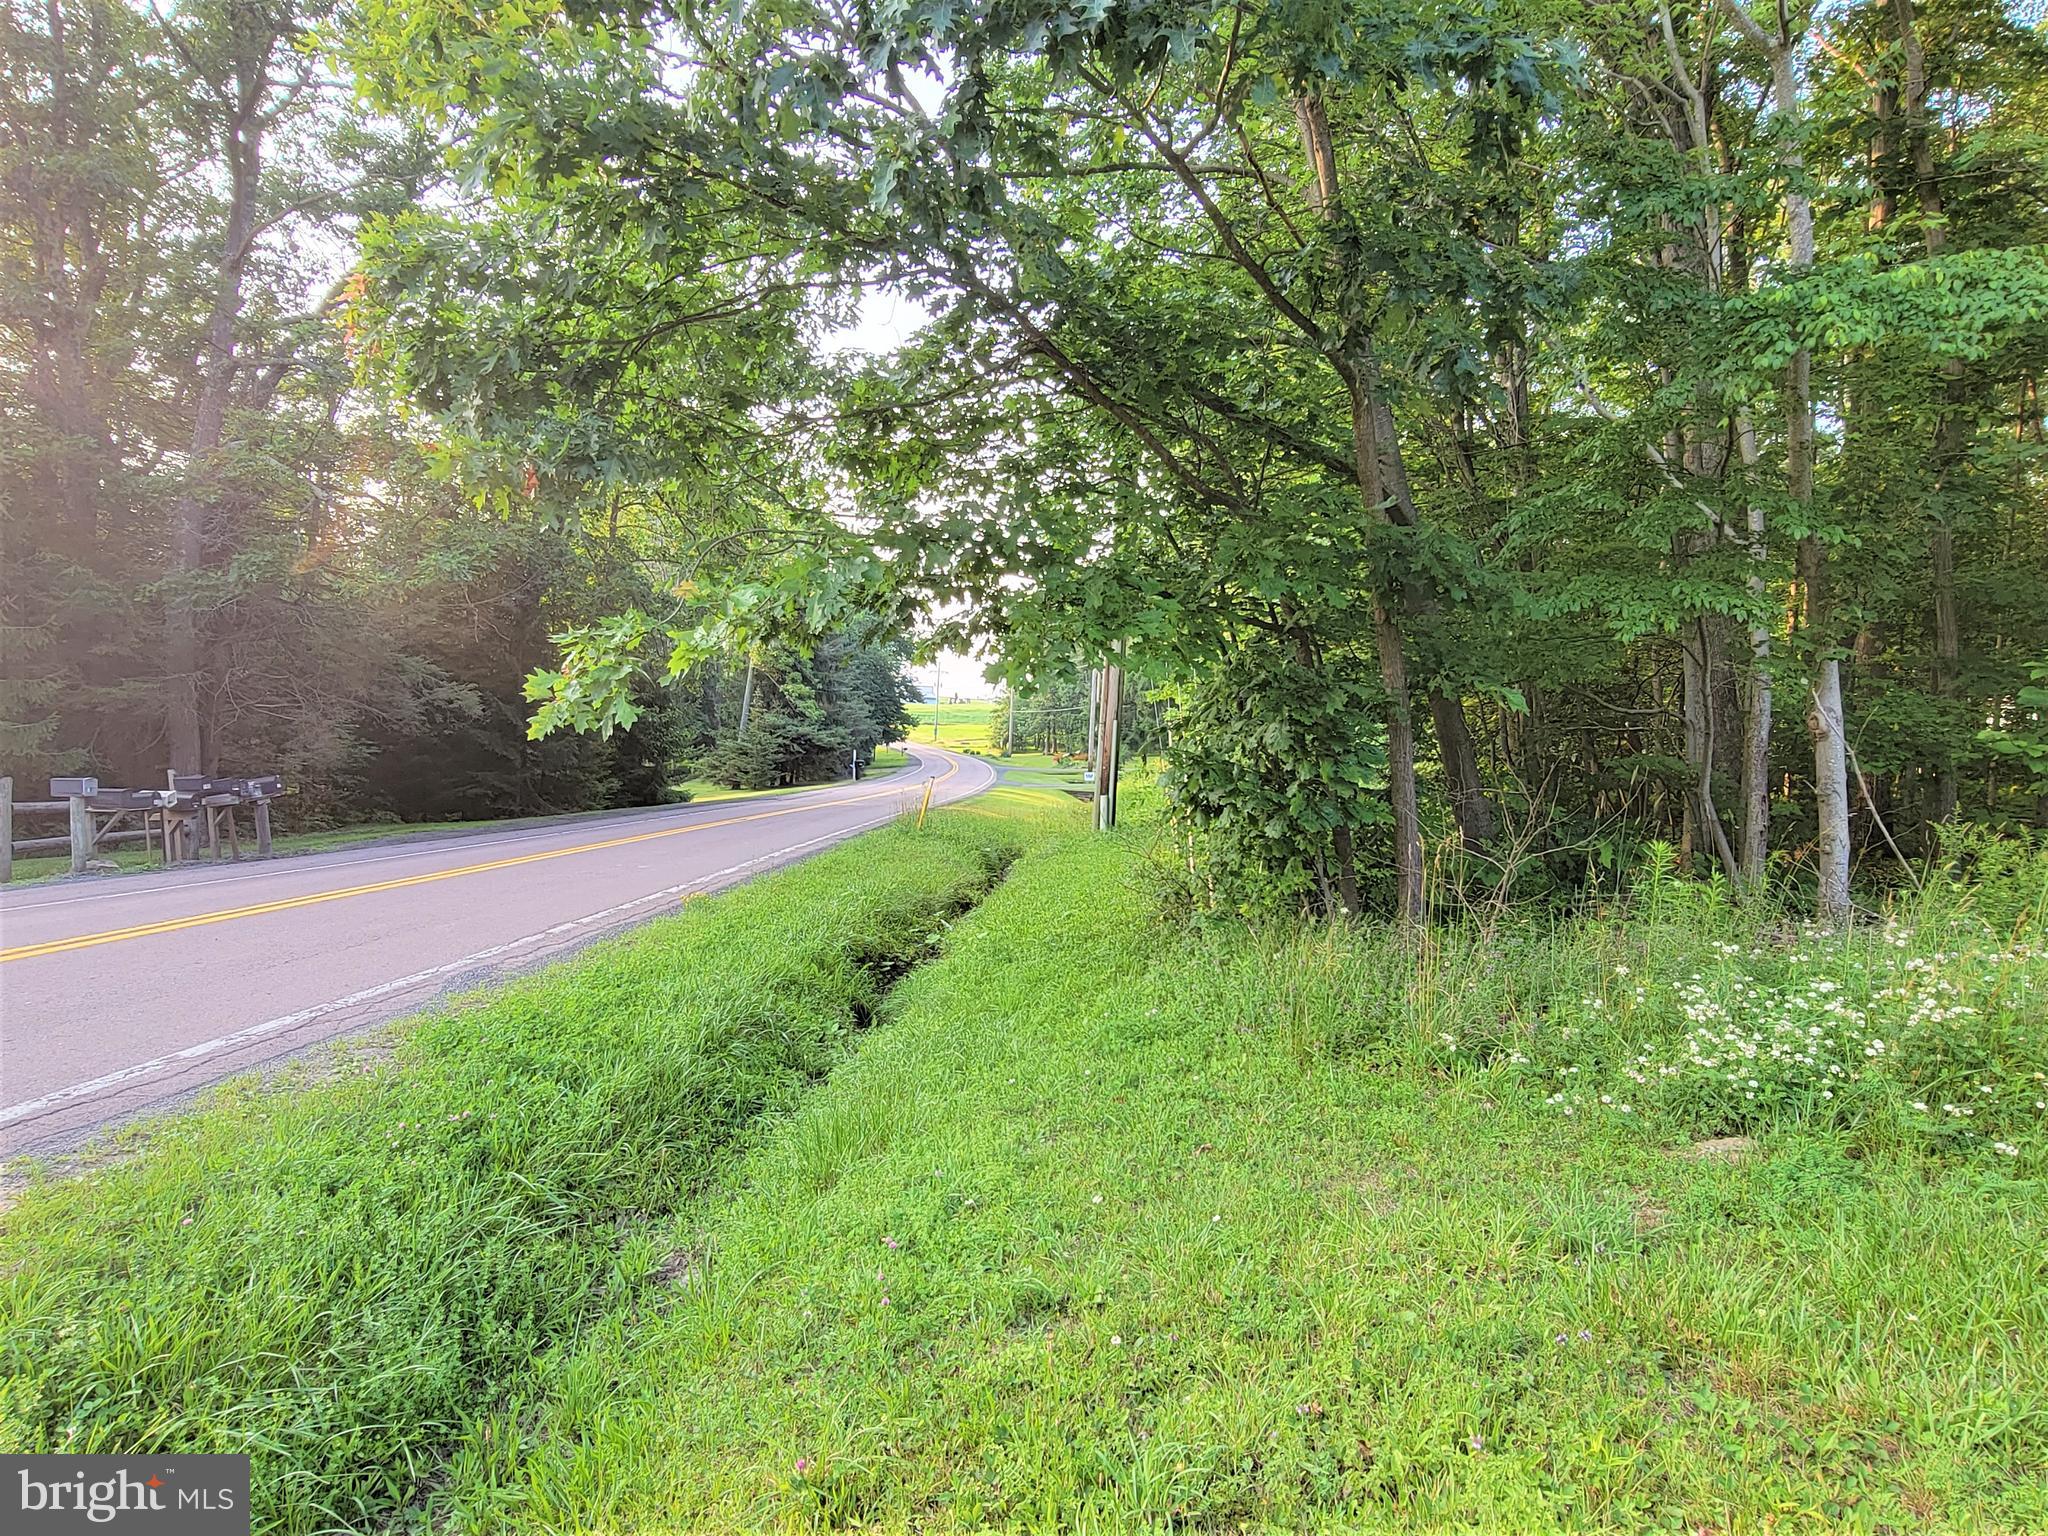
(78, 792)
(188, 811)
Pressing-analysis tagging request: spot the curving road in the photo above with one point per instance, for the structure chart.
(122, 995)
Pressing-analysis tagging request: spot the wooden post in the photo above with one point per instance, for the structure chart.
(6, 829)
(234, 835)
(172, 838)
(1106, 761)
(262, 829)
(81, 832)
(1094, 701)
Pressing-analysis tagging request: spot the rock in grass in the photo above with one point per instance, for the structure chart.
(1721, 1149)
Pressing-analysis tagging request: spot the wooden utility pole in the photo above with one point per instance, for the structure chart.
(1094, 698)
(1010, 737)
(6, 829)
(1110, 688)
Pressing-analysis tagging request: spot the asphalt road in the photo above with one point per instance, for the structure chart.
(123, 994)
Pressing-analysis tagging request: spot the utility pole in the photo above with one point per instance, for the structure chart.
(747, 692)
(1106, 762)
(935, 698)
(1094, 698)
(1010, 739)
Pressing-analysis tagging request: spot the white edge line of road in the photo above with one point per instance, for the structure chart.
(142, 1069)
(295, 863)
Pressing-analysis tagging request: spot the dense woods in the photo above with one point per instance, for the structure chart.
(229, 545)
(1503, 435)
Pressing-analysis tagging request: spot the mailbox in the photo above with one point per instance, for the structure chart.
(134, 800)
(64, 789)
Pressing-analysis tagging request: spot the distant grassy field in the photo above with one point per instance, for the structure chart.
(978, 728)
(964, 727)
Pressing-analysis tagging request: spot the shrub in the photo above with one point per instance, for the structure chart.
(1698, 1018)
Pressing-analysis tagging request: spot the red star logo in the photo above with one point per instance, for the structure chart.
(155, 1481)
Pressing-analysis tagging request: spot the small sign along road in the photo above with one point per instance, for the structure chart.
(123, 994)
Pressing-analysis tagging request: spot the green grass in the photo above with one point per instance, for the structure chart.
(963, 727)
(978, 728)
(348, 1278)
(1116, 1224)
(1039, 770)
(1113, 1228)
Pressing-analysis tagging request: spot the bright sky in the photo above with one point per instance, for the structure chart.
(888, 319)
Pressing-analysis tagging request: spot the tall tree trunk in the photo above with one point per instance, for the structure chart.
(1723, 260)
(1753, 819)
(1824, 708)
(1948, 648)
(1347, 870)
(1950, 430)
(1696, 656)
(1357, 366)
(1824, 687)
(1470, 806)
(184, 650)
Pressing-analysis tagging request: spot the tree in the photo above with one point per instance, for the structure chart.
(1404, 344)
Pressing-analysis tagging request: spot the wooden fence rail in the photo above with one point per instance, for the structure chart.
(190, 815)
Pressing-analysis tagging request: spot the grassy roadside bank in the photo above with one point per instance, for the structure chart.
(1110, 1225)
(344, 1279)
(1110, 1229)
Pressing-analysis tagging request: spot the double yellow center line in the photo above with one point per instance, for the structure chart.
(174, 925)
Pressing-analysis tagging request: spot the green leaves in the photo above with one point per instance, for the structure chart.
(591, 691)
(1274, 755)
(1960, 305)
(1128, 419)
(2023, 741)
